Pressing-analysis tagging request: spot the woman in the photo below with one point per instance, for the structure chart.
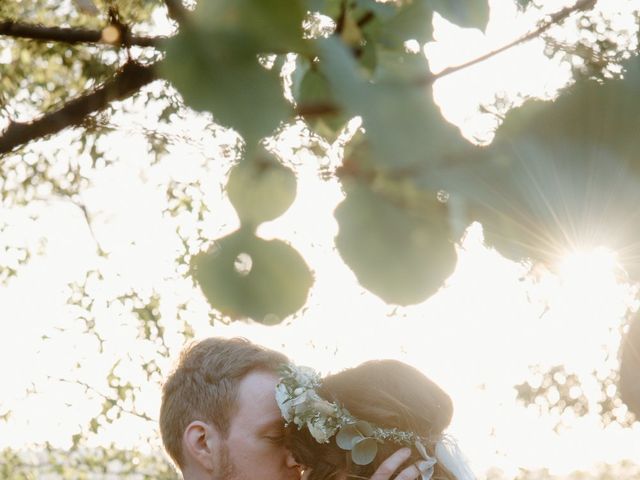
(346, 424)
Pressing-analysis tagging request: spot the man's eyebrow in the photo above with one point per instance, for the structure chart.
(275, 424)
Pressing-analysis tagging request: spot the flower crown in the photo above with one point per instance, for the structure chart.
(300, 404)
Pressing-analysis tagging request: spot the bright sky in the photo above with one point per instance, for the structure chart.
(477, 337)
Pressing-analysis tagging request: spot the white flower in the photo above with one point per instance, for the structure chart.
(320, 430)
(323, 407)
(306, 376)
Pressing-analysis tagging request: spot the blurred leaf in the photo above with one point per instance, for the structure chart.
(399, 249)
(464, 13)
(260, 188)
(393, 24)
(400, 118)
(315, 95)
(213, 61)
(267, 26)
(331, 8)
(542, 199)
(382, 10)
(605, 115)
(245, 276)
(213, 72)
(523, 4)
(630, 367)
(559, 390)
(560, 177)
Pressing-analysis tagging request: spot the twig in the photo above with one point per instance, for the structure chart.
(71, 35)
(88, 387)
(129, 80)
(176, 11)
(101, 252)
(552, 20)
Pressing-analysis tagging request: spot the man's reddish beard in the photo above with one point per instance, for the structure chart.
(228, 470)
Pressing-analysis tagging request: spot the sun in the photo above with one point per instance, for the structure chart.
(583, 266)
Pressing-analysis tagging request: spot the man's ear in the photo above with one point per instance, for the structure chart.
(201, 443)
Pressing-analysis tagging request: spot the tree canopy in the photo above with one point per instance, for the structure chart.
(556, 176)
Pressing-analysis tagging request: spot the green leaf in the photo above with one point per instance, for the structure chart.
(606, 115)
(523, 4)
(347, 436)
(213, 61)
(541, 198)
(397, 243)
(215, 73)
(464, 13)
(382, 10)
(260, 188)
(364, 451)
(419, 134)
(413, 22)
(245, 276)
(330, 8)
(314, 96)
(364, 428)
(267, 26)
(564, 176)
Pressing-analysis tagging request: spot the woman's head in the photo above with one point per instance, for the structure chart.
(386, 393)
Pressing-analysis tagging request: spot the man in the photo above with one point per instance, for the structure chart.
(220, 421)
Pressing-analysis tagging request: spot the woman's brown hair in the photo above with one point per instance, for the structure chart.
(387, 393)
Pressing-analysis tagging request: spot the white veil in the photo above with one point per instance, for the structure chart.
(449, 455)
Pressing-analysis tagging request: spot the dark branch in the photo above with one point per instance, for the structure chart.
(71, 35)
(176, 11)
(129, 80)
(317, 109)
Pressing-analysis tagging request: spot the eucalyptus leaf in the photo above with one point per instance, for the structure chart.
(347, 436)
(364, 428)
(364, 451)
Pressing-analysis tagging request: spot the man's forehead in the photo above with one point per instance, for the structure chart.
(257, 399)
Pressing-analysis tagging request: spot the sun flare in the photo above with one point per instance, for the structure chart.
(585, 265)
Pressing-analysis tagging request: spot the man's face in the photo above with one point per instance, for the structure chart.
(254, 448)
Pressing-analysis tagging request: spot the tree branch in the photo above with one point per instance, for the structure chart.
(72, 35)
(552, 20)
(128, 80)
(313, 110)
(89, 388)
